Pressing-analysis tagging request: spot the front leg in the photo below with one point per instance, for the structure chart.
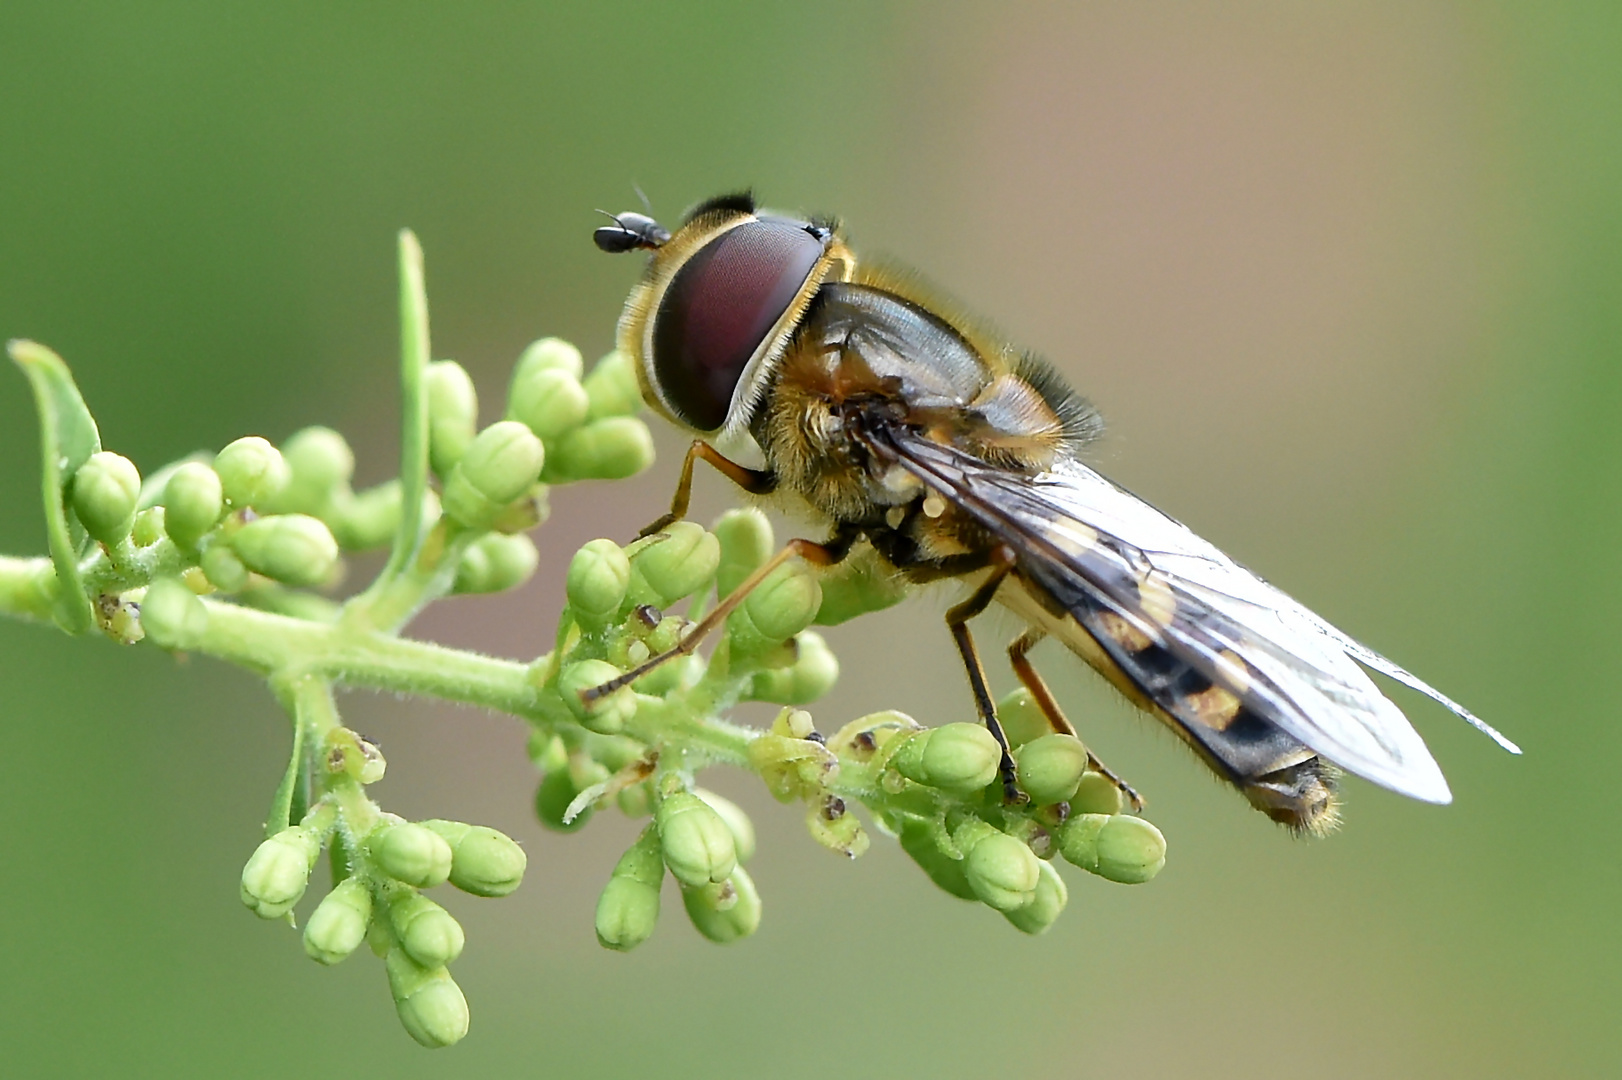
(828, 554)
(754, 481)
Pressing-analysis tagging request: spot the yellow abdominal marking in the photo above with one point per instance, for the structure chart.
(1215, 707)
(1126, 635)
(934, 506)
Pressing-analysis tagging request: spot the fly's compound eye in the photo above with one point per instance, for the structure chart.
(628, 233)
(719, 308)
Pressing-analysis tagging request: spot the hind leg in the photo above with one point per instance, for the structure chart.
(1019, 659)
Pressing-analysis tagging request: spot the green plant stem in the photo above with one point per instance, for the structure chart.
(306, 658)
(427, 578)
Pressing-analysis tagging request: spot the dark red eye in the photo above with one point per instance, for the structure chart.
(719, 308)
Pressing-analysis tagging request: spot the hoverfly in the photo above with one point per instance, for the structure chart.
(950, 454)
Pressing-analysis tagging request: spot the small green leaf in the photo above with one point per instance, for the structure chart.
(413, 403)
(281, 806)
(68, 437)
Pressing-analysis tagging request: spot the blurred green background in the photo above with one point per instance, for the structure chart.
(1345, 278)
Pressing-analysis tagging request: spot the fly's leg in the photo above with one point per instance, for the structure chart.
(754, 481)
(1033, 681)
(817, 554)
(1001, 561)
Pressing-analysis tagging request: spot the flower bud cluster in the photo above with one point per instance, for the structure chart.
(221, 515)
(381, 899)
(615, 620)
(978, 845)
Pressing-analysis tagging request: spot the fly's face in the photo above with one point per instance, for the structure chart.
(717, 304)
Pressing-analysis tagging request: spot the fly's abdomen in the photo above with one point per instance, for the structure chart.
(1277, 773)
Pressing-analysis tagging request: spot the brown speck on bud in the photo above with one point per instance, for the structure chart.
(336, 760)
(649, 615)
(1054, 815)
(833, 808)
(818, 737)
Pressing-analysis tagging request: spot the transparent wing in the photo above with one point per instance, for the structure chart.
(1076, 529)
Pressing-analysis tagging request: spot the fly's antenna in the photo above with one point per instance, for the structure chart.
(629, 232)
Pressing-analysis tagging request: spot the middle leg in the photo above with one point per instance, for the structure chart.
(1001, 561)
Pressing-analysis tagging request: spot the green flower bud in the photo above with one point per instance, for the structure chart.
(453, 413)
(411, 853)
(1050, 768)
(278, 871)
(1097, 794)
(1078, 839)
(321, 463)
(606, 716)
(918, 840)
(472, 571)
(105, 490)
(295, 549)
(251, 472)
(496, 563)
(223, 568)
(338, 924)
(635, 801)
(1045, 908)
(725, 911)
(813, 674)
(610, 449)
(675, 564)
(560, 786)
(192, 502)
(958, 758)
(172, 616)
(737, 822)
(484, 862)
(599, 574)
(612, 387)
(369, 518)
(549, 352)
(628, 909)
(746, 542)
(785, 602)
(697, 843)
(426, 930)
(860, 584)
(1022, 719)
(1125, 849)
(1130, 850)
(548, 400)
(148, 527)
(1002, 871)
(503, 462)
(430, 1004)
